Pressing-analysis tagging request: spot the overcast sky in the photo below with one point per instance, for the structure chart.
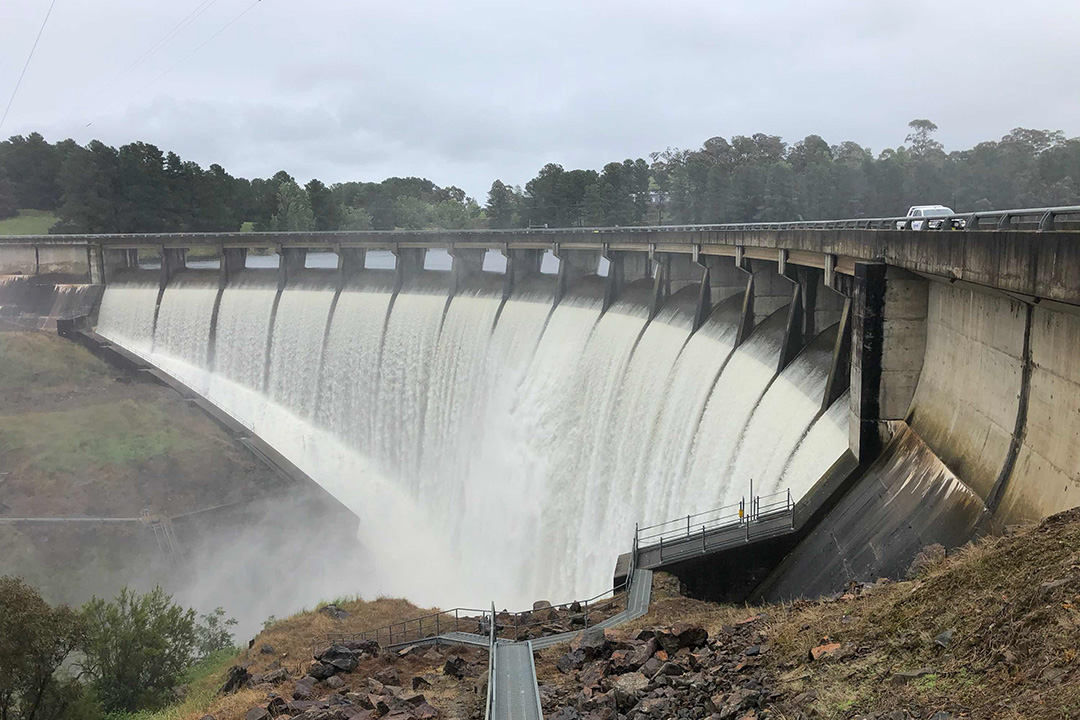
(463, 92)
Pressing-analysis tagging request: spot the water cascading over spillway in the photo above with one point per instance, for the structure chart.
(492, 449)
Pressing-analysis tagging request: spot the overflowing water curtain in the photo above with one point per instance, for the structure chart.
(490, 449)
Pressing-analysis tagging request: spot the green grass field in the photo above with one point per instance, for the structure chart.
(28, 222)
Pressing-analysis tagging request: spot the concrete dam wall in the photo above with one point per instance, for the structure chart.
(492, 445)
(499, 434)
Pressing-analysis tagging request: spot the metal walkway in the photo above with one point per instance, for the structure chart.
(714, 531)
(516, 694)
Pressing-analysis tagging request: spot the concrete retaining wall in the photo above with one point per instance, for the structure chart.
(905, 500)
(1046, 476)
(968, 394)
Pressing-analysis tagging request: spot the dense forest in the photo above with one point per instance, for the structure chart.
(139, 188)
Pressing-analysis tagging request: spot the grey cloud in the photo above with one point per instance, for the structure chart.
(469, 91)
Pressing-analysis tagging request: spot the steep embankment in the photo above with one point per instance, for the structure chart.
(81, 439)
(422, 682)
(990, 632)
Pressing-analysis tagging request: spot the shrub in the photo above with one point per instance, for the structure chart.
(136, 648)
(213, 633)
(35, 640)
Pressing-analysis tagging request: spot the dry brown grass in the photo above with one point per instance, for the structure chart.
(291, 640)
(1014, 652)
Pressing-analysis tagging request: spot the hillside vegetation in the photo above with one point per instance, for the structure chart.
(28, 222)
(82, 439)
(991, 631)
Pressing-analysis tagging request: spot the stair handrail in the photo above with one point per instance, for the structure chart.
(410, 629)
(492, 666)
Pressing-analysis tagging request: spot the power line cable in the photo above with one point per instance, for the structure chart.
(204, 43)
(161, 42)
(27, 63)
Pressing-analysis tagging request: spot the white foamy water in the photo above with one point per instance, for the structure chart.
(183, 325)
(506, 460)
(126, 315)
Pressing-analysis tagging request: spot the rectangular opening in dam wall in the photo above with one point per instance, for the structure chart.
(321, 260)
(494, 262)
(438, 259)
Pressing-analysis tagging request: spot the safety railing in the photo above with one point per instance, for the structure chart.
(736, 520)
(1039, 218)
(426, 627)
(493, 675)
(568, 617)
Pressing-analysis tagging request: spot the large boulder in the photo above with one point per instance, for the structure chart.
(334, 612)
(238, 677)
(341, 656)
(455, 667)
(321, 670)
(305, 688)
(690, 636)
(571, 661)
(593, 643)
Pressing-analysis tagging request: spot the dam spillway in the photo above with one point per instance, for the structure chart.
(492, 447)
(498, 433)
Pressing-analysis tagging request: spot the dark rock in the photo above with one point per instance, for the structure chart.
(256, 713)
(238, 677)
(361, 647)
(670, 668)
(277, 706)
(334, 682)
(643, 652)
(651, 667)
(690, 636)
(305, 688)
(571, 661)
(423, 711)
(455, 667)
(739, 699)
(334, 612)
(565, 713)
(321, 670)
(419, 683)
(341, 656)
(387, 676)
(267, 650)
(275, 677)
(593, 643)
(596, 671)
(943, 638)
(752, 651)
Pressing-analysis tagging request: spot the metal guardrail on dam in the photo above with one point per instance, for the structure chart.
(711, 531)
(1039, 219)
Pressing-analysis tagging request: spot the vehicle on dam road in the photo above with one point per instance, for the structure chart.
(929, 211)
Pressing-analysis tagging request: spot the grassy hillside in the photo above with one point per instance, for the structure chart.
(81, 439)
(28, 222)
